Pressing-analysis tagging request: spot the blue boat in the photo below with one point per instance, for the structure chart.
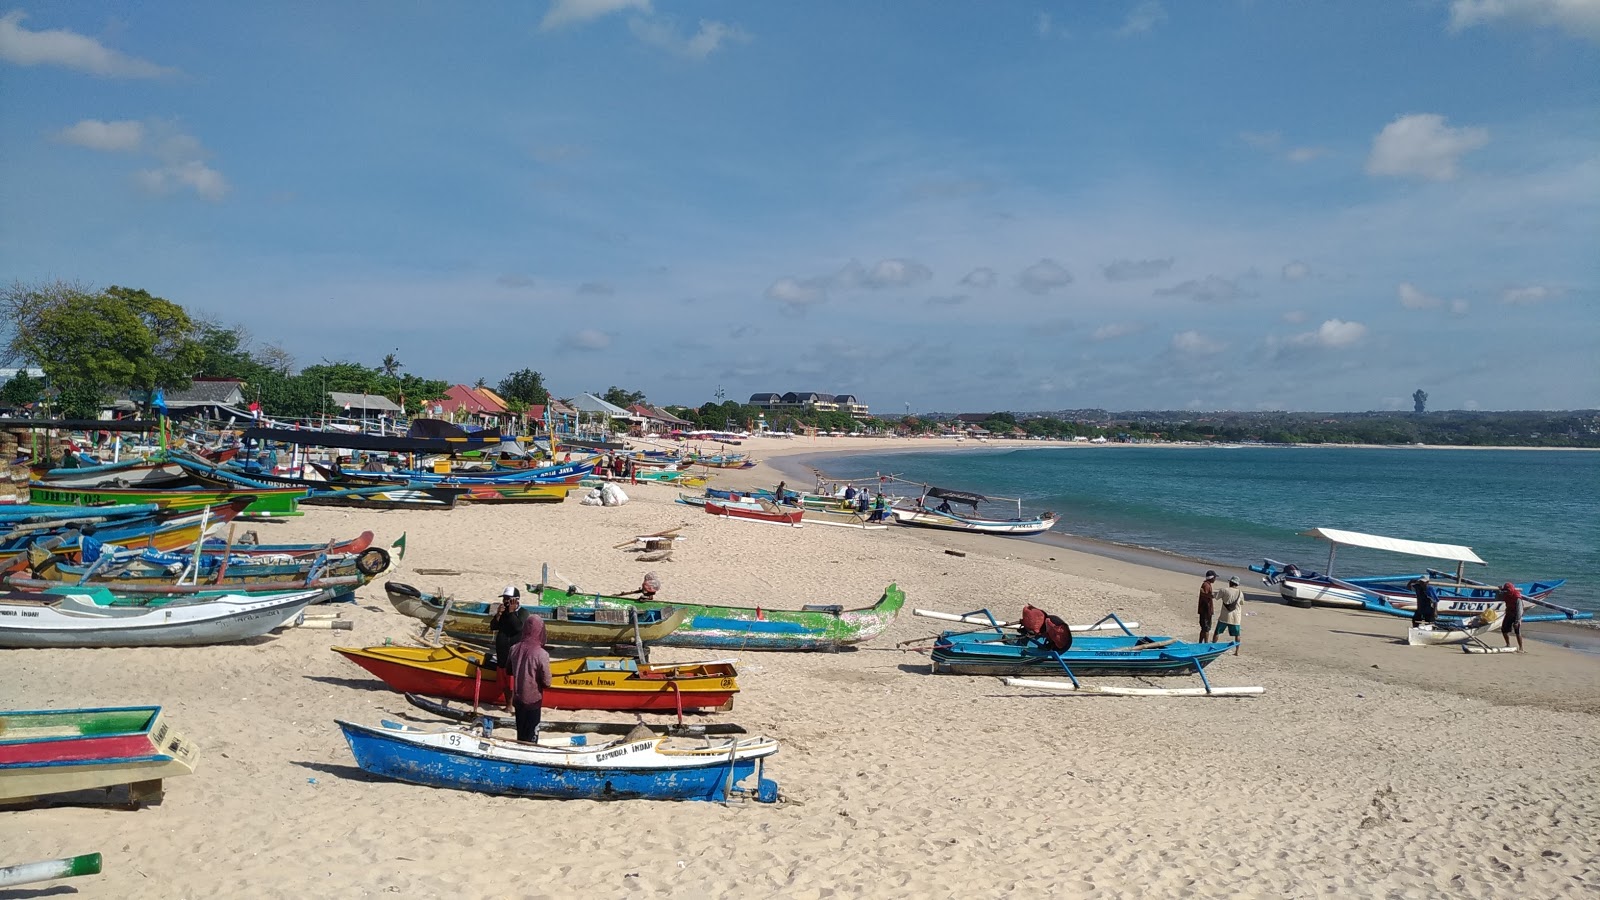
(1045, 645)
(655, 767)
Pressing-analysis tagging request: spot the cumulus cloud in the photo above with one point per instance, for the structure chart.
(1580, 18)
(795, 295)
(1135, 269)
(1413, 297)
(663, 33)
(595, 289)
(1422, 146)
(1193, 343)
(1142, 19)
(70, 50)
(1117, 330)
(590, 339)
(193, 174)
(1296, 271)
(1043, 277)
(577, 12)
(1210, 289)
(981, 277)
(1332, 334)
(1527, 295)
(109, 137)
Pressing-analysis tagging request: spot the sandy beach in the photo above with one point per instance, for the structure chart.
(1369, 768)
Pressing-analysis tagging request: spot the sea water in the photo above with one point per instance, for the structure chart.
(1528, 514)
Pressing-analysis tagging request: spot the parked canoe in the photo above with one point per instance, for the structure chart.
(756, 511)
(656, 768)
(1034, 658)
(93, 617)
(562, 625)
(710, 626)
(270, 502)
(516, 492)
(44, 752)
(455, 672)
(164, 530)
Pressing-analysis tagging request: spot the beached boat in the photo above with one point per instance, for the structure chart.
(517, 492)
(1046, 645)
(58, 751)
(756, 511)
(1430, 634)
(92, 616)
(716, 627)
(1458, 595)
(163, 530)
(456, 672)
(264, 501)
(469, 621)
(944, 516)
(654, 768)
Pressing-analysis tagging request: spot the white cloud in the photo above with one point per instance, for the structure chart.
(1272, 142)
(892, 273)
(1296, 271)
(590, 339)
(1305, 154)
(194, 174)
(981, 277)
(577, 12)
(1459, 307)
(1142, 19)
(111, 137)
(663, 33)
(1413, 297)
(1423, 146)
(1117, 330)
(1332, 334)
(1193, 343)
(1580, 18)
(1043, 277)
(1295, 316)
(1134, 269)
(1211, 289)
(795, 294)
(1527, 295)
(70, 50)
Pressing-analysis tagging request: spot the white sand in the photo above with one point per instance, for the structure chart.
(1368, 769)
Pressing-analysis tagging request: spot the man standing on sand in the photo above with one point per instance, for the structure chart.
(1231, 619)
(1205, 605)
(1427, 602)
(527, 675)
(1512, 623)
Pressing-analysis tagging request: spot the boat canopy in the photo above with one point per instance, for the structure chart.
(966, 497)
(1452, 552)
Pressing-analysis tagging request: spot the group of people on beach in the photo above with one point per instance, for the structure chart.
(1510, 597)
(1230, 598)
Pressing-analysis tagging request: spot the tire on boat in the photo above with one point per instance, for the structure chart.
(372, 561)
(401, 589)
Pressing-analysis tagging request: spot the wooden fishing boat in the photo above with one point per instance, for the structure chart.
(517, 492)
(216, 569)
(396, 494)
(455, 672)
(654, 768)
(444, 709)
(562, 625)
(1430, 634)
(44, 752)
(93, 617)
(164, 530)
(944, 516)
(756, 511)
(1458, 595)
(714, 627)
(1045, 644)
(140, 473)
(270, 502)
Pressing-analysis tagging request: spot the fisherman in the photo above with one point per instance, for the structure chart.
(1512, 621)
(527, 675)
(850, 492)
(507, 623)
(1231, 618)
(862, 501)
(777, 495)
(1206, 609)
(1427, 602)
(880, 512)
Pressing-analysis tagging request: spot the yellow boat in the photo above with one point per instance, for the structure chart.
(456, 672)
(562, 625)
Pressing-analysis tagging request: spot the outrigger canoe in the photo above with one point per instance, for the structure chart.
(562, 625)
(455, 672)
(710, 626)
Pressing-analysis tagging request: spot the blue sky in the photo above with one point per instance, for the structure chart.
(1240, 204)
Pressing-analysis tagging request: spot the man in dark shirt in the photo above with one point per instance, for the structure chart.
(507, 623)
(1427, 602)
(1207, 610)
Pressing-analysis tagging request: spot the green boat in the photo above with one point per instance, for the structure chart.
(269, 502)
(711, 626)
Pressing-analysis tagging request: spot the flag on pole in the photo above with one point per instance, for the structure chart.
(401, 545)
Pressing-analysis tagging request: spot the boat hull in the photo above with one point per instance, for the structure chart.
(924, 518)
(751, 512)
(67, 621)
(272, 502)
(562, 625)
(461, 760)
(980, 659)
(44, 752)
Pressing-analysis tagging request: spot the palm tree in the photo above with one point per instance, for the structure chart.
(480, 384)
(391, 365)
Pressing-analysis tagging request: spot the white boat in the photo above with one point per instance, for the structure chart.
(87, 617)
(951, 521)
(1434, 633)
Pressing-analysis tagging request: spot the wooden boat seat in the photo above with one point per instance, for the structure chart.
(610, 616)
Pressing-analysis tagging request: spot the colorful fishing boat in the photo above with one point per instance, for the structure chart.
(1458, 595)
(45, 752)
(92, 616)
(455, 672)
(265, 501)
(516, 492)
(562, 625)
(164, 530)
(654, 768)
(1046, 645)
(717, 627)
(764, 511)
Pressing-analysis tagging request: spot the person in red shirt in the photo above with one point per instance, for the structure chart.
(1512, 622)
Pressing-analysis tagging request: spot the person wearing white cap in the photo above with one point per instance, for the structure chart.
(507, 623)
(1230, 616)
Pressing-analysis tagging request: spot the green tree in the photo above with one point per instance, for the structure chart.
(618, 397)
(1419, 400)
(391, 366)
(21, 391)
(524, 386)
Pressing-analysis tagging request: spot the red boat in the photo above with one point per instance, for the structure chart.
(756, 511)
(595, 682)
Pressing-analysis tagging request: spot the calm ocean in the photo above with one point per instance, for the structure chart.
(1528, 514)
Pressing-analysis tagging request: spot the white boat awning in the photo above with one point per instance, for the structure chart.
(1452, 552)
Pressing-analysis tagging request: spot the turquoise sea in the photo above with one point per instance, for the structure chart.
(1528, 514)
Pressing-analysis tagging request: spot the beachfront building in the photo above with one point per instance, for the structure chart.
(654, 420)
(205, 398)
(480, 406)
(798, 401)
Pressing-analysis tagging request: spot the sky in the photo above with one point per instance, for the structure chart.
(955, 206)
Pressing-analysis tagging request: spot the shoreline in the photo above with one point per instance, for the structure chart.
(1579, 636)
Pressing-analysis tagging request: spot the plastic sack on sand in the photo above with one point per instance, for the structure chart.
(611, 495)
(591, 499)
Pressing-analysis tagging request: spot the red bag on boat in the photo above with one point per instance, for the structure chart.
(1032, 620)
(1057, 633)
